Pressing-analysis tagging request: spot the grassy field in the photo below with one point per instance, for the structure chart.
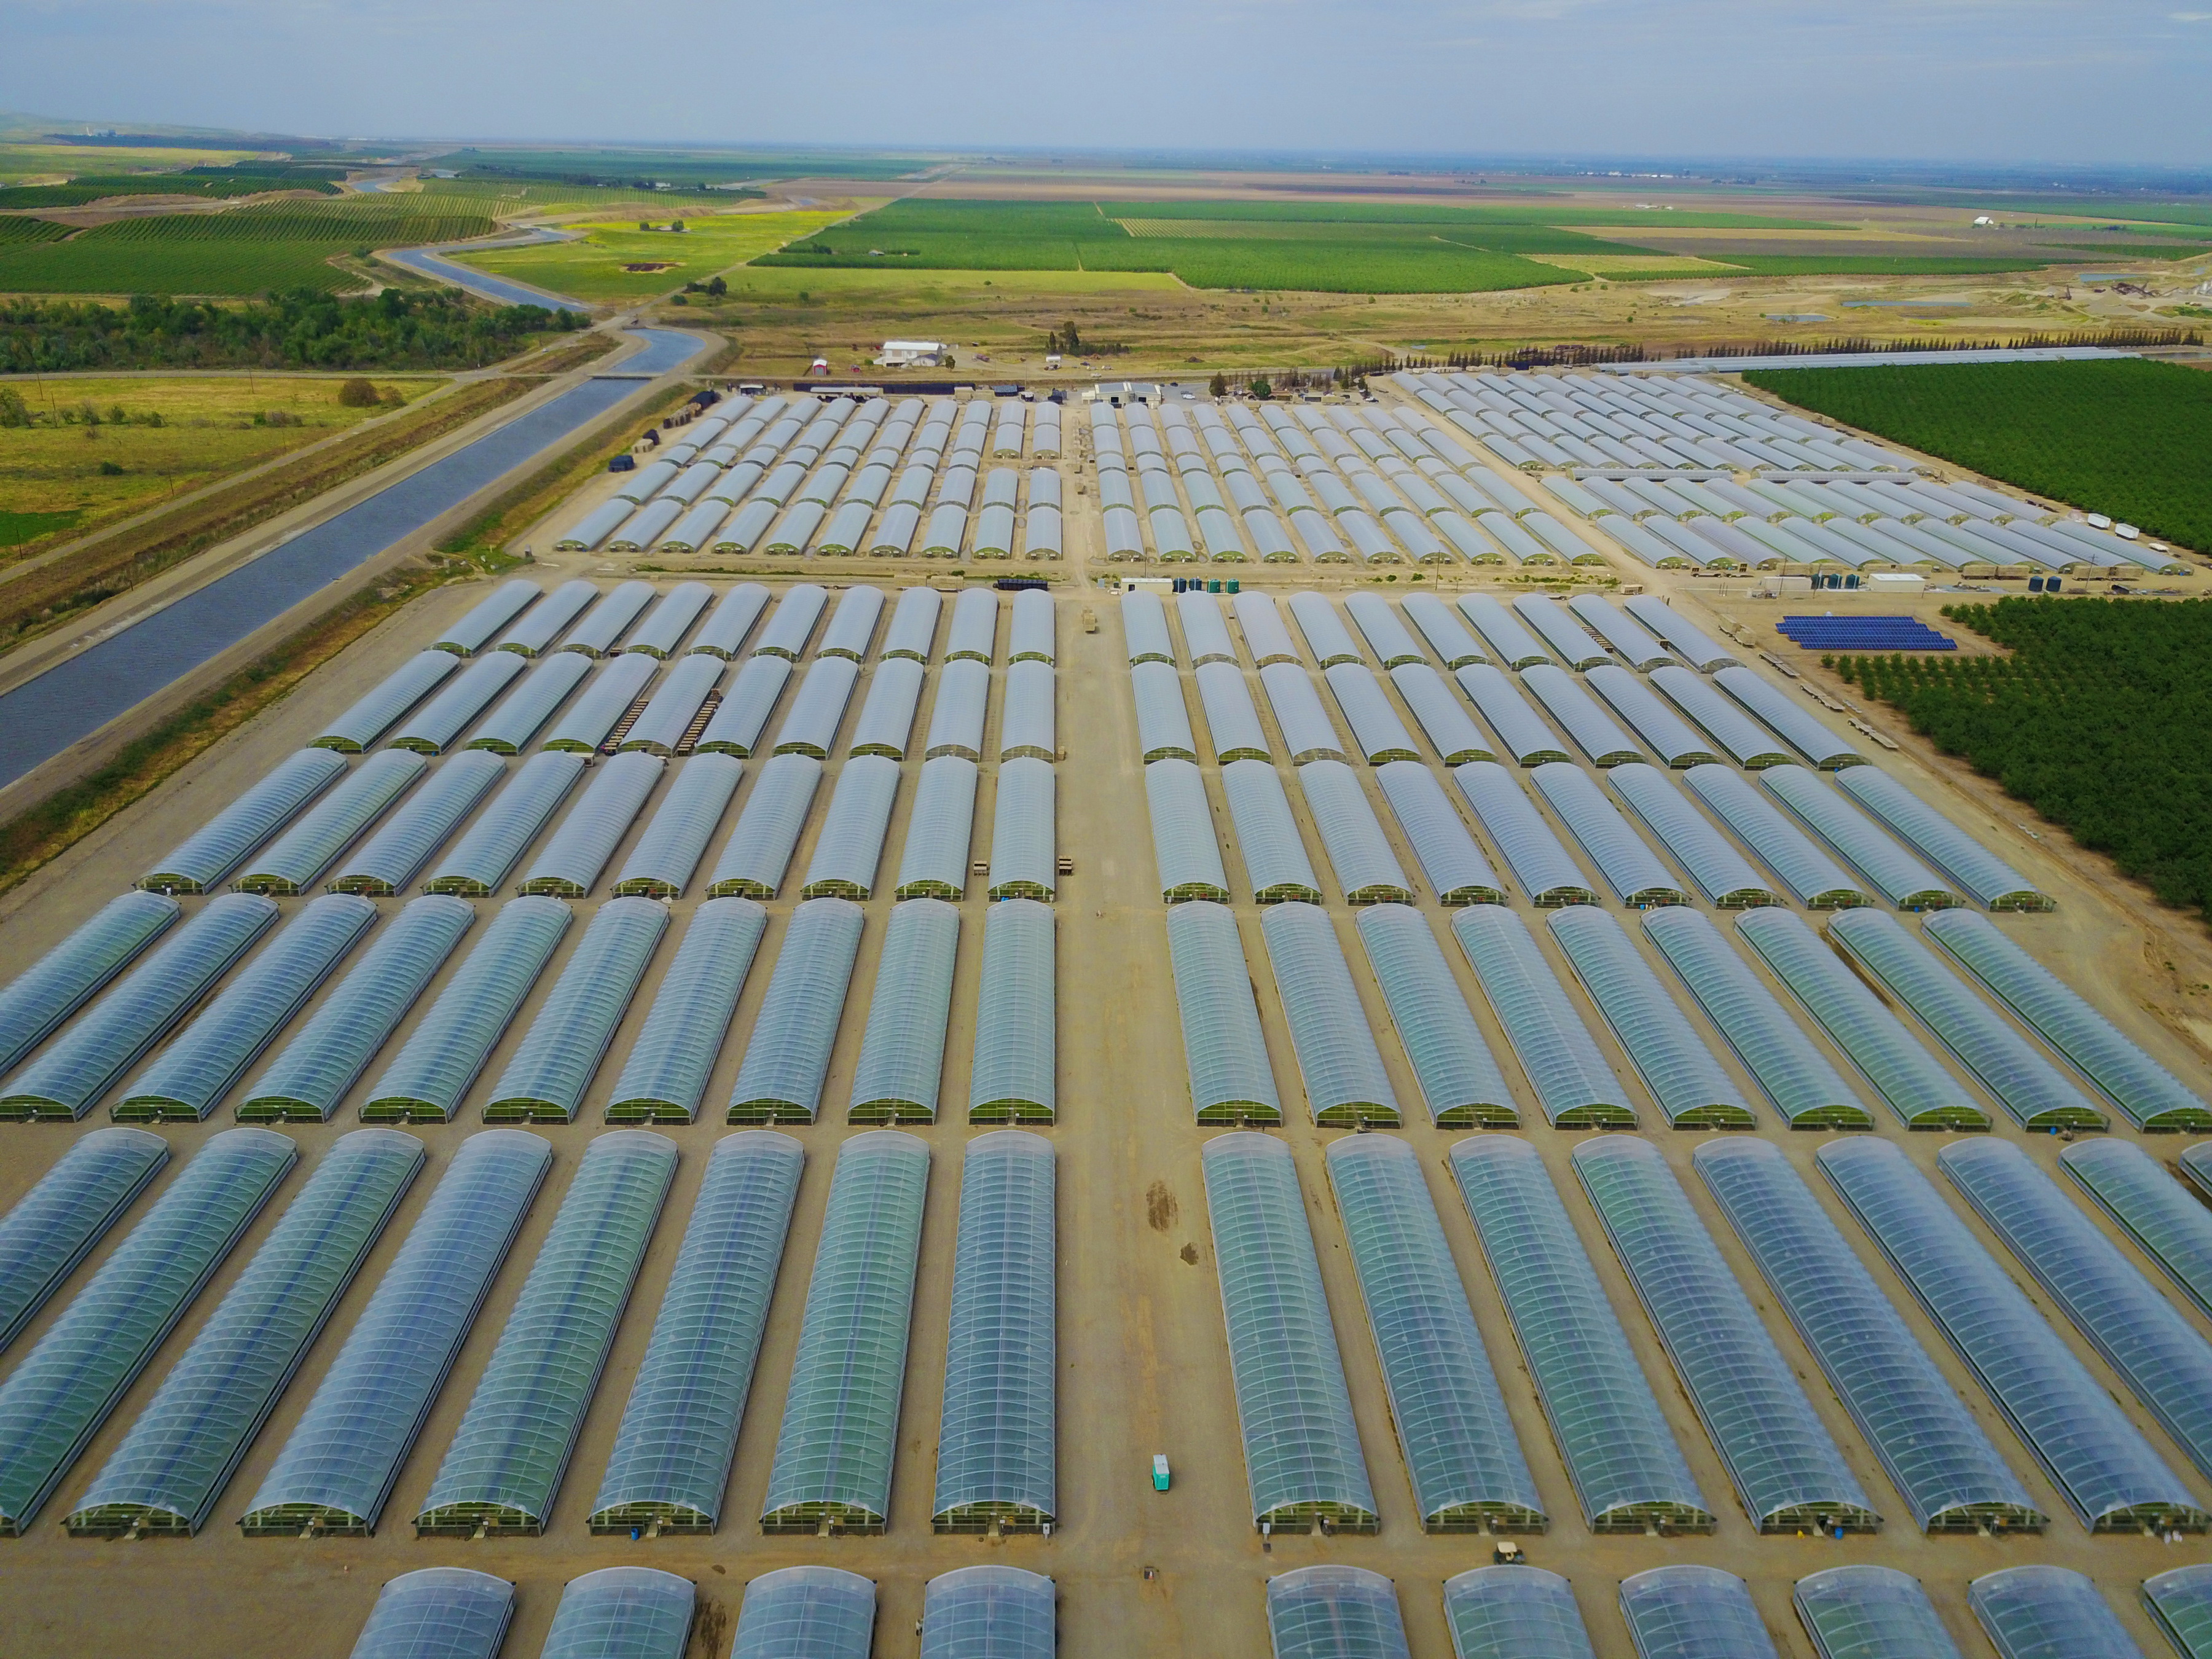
(591, 266)
(2095, 719)
(244, 251)
(62, 474)
(2122, 437)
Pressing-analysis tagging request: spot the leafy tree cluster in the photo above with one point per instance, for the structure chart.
(299, 329)
(2096, 719)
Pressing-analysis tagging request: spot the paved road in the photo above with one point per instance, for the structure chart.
(75, 698)
(429, 262)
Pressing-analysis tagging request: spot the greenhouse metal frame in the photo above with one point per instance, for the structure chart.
(504, 1467)
(569, 864)
(623, 1613)
(2101, 1464)
(1558, 1054)
(1226, 1055)
(50, 1229)
(1514, 1612)
(820, 1613)
(1232, 723)
(202, 859)
(1937, 1455)
(1023, 833)
(839, 1433)
(939, 830)
(65, 1388)
(1687, 1611)
(1302, 1454)
(742, 715)
(388, 861)
(787, 1054)
(997, 1437)
(989, 1613)
(1467, 1467)
(671, 1462)
(1787, 1469)
(171, 1467)
(2033, 1611)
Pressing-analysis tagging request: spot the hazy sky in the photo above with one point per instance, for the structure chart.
(2057, 81)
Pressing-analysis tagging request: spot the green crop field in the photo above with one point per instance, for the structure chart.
(16, 229)
(593, 264)
(215, 185)
(2096, 719)
(1349, 247)
(1359, 252)
(245, 250)
(2123, 435)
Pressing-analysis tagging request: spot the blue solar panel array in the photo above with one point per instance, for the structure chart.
(1864, 633)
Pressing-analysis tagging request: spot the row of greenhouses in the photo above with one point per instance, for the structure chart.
(1685, 1612)
(1371, 485)
(506, 1460)
(90, 1011)
(644, 1612)
(1684, 473)
(790, 474)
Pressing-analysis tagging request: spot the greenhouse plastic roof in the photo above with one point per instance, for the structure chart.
(1626, 1468)
(55, 1224)
(2150, 1206)
(997, 1435)
(1988, 879)
(840, 1432)
(427, 1079)
(546, 1077)
(671, 1461)
(1359, 853)
(1693, 1613)
(939, 828)
(2152, 1096)
(1302, 1453)
(1466, 1465)
(902, 1059)
(71, 1074)
(786, 1056)
(2037, 1094)
(504, 1467)
(821, 1613)
(337, 1467)
(1012, 1076)
(758, 852)
(666, 1074)
(1936, 1455)
(2100, 1463)
(2042, 1613)
(1231, 1077)
(1232, 723)
(65, 1388)
(1786, 1468)
(989, 1613)
(1874, 1039)
(737, 724)
(479, 862)
(1514, 1612)
(623, 1613)
(198, 864)
(171, 1467)
(34, 1004)
(438, 1612)
(1334, 1612)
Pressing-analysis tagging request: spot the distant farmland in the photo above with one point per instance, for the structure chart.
(2123, 436)
(1325, 247)
(246, 251)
